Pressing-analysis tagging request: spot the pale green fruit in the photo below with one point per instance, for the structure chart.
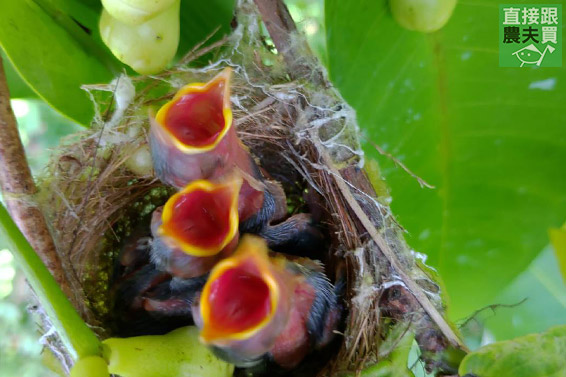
(178, 353)
(422, 15)
(90, 366)
(147, 47)
(135, 12)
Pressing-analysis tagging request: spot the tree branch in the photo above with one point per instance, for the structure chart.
(18, 187)
(296, 51)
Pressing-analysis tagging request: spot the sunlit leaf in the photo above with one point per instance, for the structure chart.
(490, 139)
(558, 239)
(18, 87)
(200, 19)
(398, 346)
(545, 305)
(535, 355)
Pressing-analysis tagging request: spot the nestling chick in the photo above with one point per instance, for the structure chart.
(148, 301)
(196, 227)
(254, 307)
(192, 137)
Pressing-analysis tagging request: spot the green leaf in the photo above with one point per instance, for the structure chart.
(490, 139)
(83, 13)
(398, 344)
(18, 87)
(545, 306)
(56, 47)
(53, 54)
(558, 239)
(535, 355)
(199, 20)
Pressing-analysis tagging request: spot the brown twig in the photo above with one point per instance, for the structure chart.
(297, 53)
(393, 260)
(493, 308)
(18, 188)
(382, 152)
(196, 50)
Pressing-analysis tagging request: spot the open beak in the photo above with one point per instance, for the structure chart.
(242, 297)
(192, 136)
(254, 304)
(199, 115)
(202, 219)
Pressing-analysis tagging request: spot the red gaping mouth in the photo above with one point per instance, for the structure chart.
(203, 217)
(241, 294)
(199, 115)
(239, 300)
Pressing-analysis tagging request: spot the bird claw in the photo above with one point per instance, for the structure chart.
(298, 235)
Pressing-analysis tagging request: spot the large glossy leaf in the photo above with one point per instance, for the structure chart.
(56, 47)
(558, 239)
(535, 355)
(492, 140)
(545, 305)
(18, 87)
(53, 54)
(199, 19)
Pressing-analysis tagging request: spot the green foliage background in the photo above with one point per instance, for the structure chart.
(491, 140)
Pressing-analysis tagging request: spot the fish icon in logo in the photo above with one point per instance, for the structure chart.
(532, 55)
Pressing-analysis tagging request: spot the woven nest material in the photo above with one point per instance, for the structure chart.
(100, 184)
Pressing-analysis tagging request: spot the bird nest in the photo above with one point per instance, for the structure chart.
(100, 184)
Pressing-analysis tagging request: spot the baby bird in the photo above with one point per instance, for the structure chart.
(197, 227)
(255, 307)
(192, 137)
(146, 300)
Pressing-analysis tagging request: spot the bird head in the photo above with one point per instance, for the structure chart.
(201, 219)
(192, 136)
(199, 116)
(244, 304)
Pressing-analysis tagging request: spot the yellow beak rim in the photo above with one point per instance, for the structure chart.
(234, 185)
(251, 249)
(198, 87)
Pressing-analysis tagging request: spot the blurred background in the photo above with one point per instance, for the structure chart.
(492, 141)
(41, 130)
